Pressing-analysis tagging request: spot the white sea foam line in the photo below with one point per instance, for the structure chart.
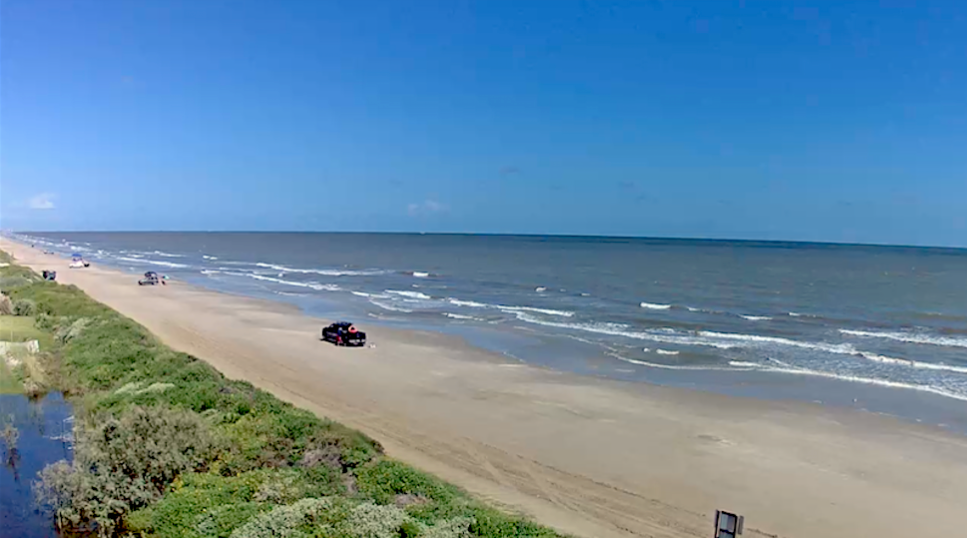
(207, 257)
(385, 306)
(911, 338)
(460, 316)
(821, 346)
(471, 304)
(671, 366)
(151, 262)
(311, 285)
(167, 255)
(512, 309)
(364, 294)
(665, 352)
(912, 364)
(654, 306)
(755, 318)
(787, 369)
(617, 329)
(419, 274)
(325, 272)
(410, 294)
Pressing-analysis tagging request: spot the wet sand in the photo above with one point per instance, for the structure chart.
(588, 456)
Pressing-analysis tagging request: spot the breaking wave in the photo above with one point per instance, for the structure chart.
(410, 294)
(510, 309)
(310, 285)
(654, 306)
(912, 338)
(324, 272)
(912, 364)
(146, 261)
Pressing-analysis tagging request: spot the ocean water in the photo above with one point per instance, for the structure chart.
(879, 328)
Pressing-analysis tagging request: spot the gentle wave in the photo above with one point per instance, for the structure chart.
(666, 352)
(511, 309)
(324, 272)
(310, 285)
(132, 259)
(167, 254)
(819, 346)
(461, 316)
(912, 364)
(364, 294)
(743, 366)
(755, 318)
(207, 257)
(419, 274)
(410, 294)
(667, 336)
(389, 307)
(540, 289)
(669, 366)
(911, 338)
(788, 369)
(654, 306)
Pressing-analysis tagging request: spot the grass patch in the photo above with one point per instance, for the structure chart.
(166, 446)
(9, 382)
(21, 329)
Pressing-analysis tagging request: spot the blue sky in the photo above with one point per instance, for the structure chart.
(829, 121)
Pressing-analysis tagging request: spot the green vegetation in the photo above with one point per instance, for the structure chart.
(168, 447)
(20, 329)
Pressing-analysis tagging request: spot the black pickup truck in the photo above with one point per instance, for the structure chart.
(344, 333)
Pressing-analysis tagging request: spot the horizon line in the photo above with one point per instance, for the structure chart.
(500, 234)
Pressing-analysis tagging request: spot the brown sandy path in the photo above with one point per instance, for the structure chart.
(588, 456)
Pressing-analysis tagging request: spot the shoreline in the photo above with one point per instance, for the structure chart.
(564, 448)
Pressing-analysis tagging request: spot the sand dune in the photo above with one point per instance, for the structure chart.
(590, 457)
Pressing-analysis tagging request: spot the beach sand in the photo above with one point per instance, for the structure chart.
(588, 456)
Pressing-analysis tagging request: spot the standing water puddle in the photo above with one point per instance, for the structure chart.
(45, 426)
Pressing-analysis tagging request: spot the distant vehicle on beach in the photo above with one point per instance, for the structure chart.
(150, 279)
(344, 333)
(78, 262)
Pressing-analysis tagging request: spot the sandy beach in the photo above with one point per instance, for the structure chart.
(591, 457)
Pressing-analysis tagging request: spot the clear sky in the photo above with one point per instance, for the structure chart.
(822, 120)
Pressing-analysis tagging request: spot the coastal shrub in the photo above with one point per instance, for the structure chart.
(384, 480)
(6, 305)
(285, 521)
(201, 504)
(123, 463)
(24, 307)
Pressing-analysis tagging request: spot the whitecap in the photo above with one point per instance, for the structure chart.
(540, 289)
(461, 316)
(419, 274)
(665, 352)
(167, 255)
(911, 363)
(134, 259)
(787, 369)
(755, 318)
(324, 272)
(311, 285)
(654, 306)
(410, 294)
(912, 338)
(389, 307)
